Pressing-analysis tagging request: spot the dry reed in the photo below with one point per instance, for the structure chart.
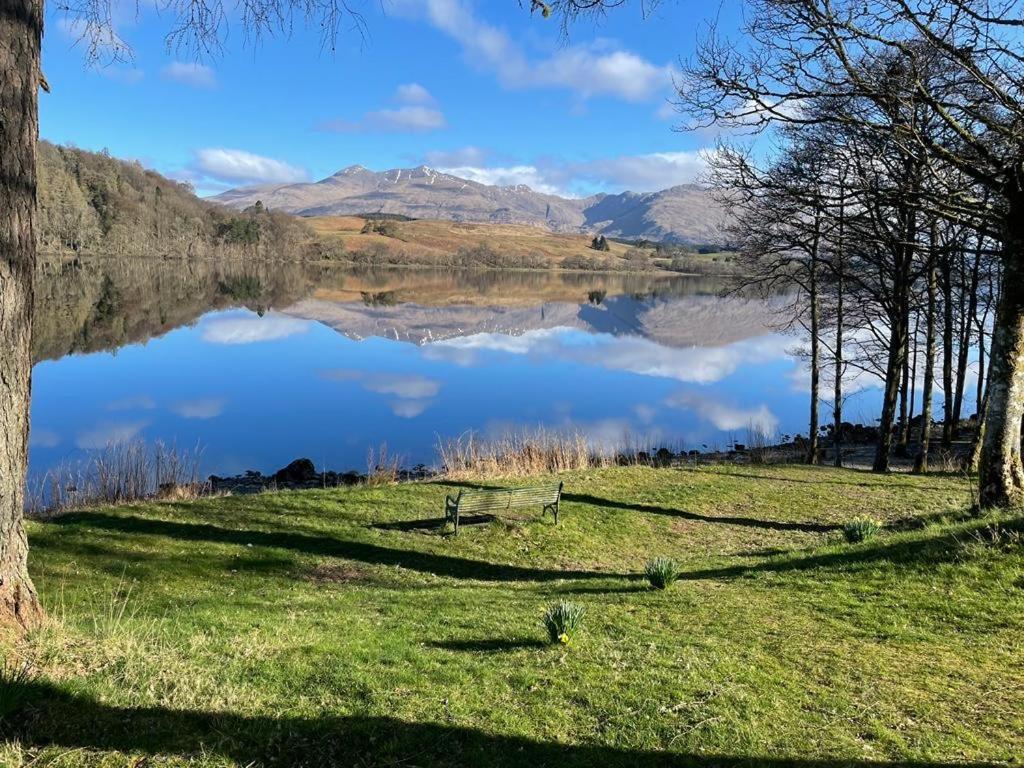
(118, 474)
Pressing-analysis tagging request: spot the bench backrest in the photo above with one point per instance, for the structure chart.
(509, 498)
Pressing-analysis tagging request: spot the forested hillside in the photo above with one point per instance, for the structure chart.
(90, 202)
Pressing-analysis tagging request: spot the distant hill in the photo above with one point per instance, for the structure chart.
(683, 214)
(92, 203)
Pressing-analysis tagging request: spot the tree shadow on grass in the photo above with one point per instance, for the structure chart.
(746, 522)
(53, 717)
(942, 547)
(329, 546)
(430, 523)
(776, 477)
(493, 645)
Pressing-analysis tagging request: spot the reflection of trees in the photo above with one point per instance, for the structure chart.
(90, 305)
(94, 305)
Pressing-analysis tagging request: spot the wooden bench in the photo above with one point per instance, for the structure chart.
(487, 500)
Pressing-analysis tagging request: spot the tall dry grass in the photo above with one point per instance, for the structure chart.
(528, 452)
(118, 474)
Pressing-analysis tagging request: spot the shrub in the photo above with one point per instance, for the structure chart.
(861, 529)
(562, 619)
(662, 572)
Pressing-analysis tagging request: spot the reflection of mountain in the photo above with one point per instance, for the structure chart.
(675, 322)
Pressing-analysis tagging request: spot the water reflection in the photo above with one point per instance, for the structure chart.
(261, 363)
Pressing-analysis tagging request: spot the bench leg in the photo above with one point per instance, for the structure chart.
(456, 522)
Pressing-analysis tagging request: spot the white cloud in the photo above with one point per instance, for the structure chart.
(600, 68)
(514, 175)
(643, 173)
(190, 73)
(403, 385)
(410, 409)
(413, 93)
(413, 393)
(407, 119)
(109, 434)
(249, 330)
(132, 403)
(239, 165)
(414, 114)
(203, 408)
(635, 354)
(650, 172)
(725, 417)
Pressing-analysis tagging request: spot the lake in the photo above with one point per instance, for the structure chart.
(262, 363)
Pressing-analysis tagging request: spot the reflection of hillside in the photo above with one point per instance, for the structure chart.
(98, 305)
(103, 305)
(490, 288)
(683, 321)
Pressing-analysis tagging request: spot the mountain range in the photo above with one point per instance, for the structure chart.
(684, 214)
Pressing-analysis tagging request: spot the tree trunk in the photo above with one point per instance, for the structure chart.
(21, 25)
(893, 372)
(921, 462)
(947, 350)
(812, 428)
(970, 309)
(1001, 474)
(902, 445)
(837, 403)
(915, 337)
(979, 396)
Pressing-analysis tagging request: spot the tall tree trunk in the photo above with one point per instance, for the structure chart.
(902, 445)
(891, 391)
(21, 25)
(979, 396)
(970, 309)
(812, 428)
(837, 394)
(915, 338)
(1001, 474)
(947, 350)
(921, 462)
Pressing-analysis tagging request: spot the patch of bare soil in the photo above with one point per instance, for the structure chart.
(325, 574)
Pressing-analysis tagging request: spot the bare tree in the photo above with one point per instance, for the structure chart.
(965, 72)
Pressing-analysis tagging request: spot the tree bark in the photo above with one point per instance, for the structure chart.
(890, 396)
(1001, 473)
(947, 350)
(970, 309)
(903, 444)
(837, 394)
(921, 462)
(812, 428)
(21, 25)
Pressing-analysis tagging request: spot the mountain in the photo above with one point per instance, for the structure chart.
(685, 214)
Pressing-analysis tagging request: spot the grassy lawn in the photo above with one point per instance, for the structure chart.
(343, 628)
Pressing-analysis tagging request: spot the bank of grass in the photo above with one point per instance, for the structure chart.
(343, 627)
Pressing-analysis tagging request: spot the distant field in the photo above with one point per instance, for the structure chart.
(425, 239)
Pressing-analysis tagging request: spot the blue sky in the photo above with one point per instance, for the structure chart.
(481, 88)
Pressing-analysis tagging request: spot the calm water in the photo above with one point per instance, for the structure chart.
(263, 364)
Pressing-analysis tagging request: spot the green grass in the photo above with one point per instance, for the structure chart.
(333, 628)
